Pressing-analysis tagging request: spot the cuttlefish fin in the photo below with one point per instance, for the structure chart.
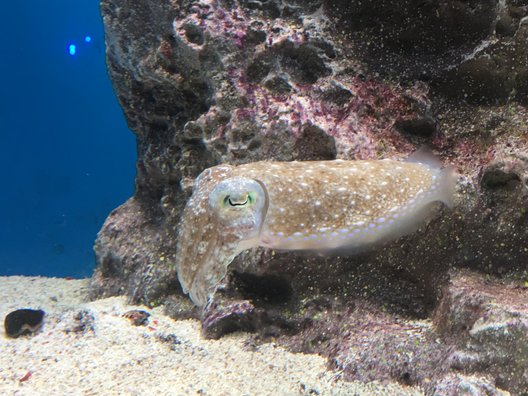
(447, 175)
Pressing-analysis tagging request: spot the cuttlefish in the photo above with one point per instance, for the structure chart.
(320, 206)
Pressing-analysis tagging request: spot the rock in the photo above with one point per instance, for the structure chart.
(487, 320)
(127, 259)
(83, 323)
(196, 103)
(414, 38)
(221, 319)
(495, 70)
(137, 317)
(459, 384)
(368, 344)
(23, 322)
(203, 83)
(171, 340)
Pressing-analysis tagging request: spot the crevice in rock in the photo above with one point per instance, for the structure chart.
(265, 289)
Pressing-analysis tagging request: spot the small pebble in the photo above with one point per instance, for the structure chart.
(137, 317)
(23, 321)
(25, 377)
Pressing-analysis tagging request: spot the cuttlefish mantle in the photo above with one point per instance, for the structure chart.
(312, 205)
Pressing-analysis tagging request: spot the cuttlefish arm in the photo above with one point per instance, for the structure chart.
(206, 277)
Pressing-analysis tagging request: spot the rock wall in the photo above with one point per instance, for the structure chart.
(205, 82)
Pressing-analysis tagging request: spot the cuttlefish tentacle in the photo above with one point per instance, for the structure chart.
(312, 205)
(209, 275)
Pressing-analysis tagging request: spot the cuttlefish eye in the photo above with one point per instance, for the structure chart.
(239, 200)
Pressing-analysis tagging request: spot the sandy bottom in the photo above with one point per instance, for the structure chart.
(165, 357)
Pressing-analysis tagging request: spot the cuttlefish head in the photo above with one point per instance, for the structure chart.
(221, 219)
(239, 205)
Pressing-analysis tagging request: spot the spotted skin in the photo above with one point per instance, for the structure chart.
(312, 205)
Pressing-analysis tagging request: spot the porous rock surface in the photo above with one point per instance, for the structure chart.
(205, 82)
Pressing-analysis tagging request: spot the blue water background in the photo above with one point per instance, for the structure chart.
(66, 156)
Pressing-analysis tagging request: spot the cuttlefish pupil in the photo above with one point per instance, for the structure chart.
(236, 202)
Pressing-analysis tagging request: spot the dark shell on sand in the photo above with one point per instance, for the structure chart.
(23, 321)
(137, 317)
